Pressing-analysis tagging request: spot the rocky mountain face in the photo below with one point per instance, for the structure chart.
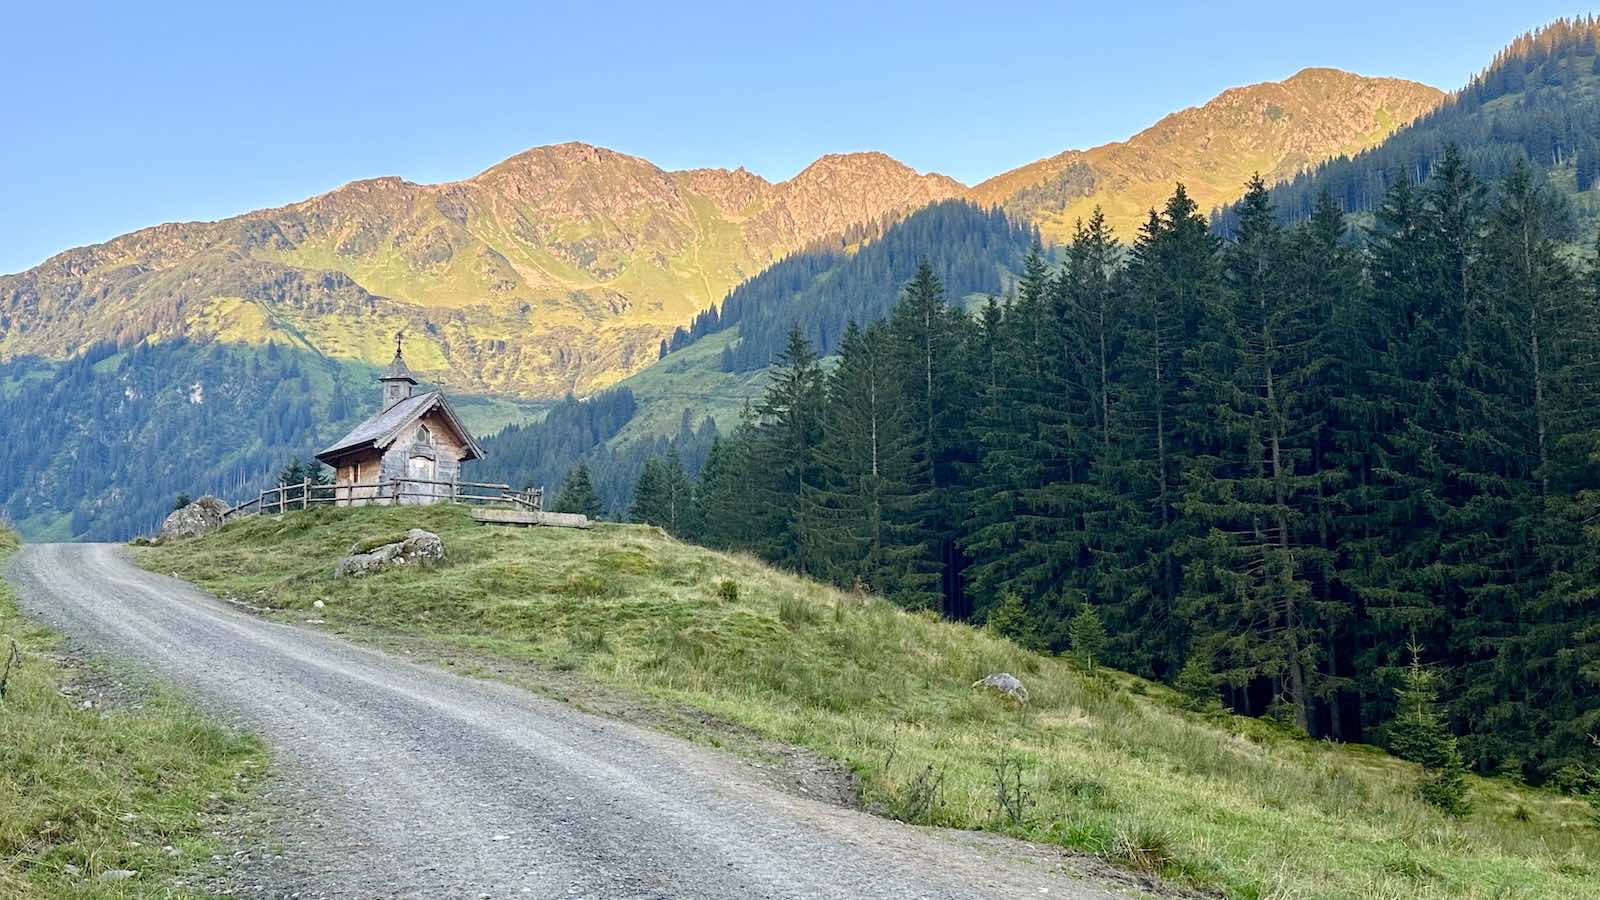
(558, 269)
(1276, 128)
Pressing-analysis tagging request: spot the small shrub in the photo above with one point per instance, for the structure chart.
(728, 590)
(920, 798)
(1142, 848)
(588, 639)
(584, 586)
(1011, 797)
(795, 612)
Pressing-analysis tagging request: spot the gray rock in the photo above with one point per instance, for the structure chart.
(117, 875)
(1005, 683)
(197, 518)
(418, 548)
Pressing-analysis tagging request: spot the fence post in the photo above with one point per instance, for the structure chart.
(305, 495)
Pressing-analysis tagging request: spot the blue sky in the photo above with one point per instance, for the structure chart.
(121, 115)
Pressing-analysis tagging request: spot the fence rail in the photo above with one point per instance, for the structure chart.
(286, 497)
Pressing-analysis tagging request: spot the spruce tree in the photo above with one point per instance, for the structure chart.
(1024, 435)
(1251, 366)
(1088, 637)
(1419, 733)
(928, 342)
(786, 467)
(1337, 414)
(869, 531)
(664, 497)
(725, 500)
(577, 494)
(1173, 279)
(1010, 618)
(649, 503)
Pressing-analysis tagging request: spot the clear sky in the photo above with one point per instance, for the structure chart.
(119, 115)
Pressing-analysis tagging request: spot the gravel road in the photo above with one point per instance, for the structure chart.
(425, 784)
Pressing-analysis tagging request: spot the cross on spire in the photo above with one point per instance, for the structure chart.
(399, 336)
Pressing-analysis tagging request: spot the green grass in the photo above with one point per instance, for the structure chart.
(691, 379)
(1108, 764)
(135, 786)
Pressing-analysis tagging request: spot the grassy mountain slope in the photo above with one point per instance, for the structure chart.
(1108, 764)
(558, 269)
(720, 364)
(1274, 128)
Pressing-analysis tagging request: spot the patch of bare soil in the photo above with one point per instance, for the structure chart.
(89, 685)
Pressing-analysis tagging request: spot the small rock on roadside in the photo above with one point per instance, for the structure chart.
(197, 518)
(117, 875)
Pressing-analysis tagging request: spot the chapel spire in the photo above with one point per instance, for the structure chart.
(397, 379)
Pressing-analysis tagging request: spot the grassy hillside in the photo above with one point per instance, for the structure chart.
(133, 782)
(1106, 764)
(691, 379)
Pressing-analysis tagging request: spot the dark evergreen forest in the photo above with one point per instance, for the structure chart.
(576, 432)
(823, 289)
(1266, 463)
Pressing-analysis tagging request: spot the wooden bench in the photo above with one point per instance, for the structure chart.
(528, 517)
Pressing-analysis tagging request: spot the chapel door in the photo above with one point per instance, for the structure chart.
(419, 469)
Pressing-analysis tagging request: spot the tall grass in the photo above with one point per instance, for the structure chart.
(103, 789)
(1106, 764)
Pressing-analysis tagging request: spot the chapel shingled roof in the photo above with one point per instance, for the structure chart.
(381, 429)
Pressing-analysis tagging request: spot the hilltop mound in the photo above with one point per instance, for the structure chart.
(1109, 764)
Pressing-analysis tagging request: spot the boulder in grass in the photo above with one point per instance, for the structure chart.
(1005, 683)
(197, 518)
(417, 548)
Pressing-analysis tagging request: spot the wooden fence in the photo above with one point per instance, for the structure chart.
(286, 497)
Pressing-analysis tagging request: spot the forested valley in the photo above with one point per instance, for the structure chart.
(1279, 467)
(105, 441)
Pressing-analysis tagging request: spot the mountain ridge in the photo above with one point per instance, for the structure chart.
(562, 267)
(1128, 177)
(557, 269)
